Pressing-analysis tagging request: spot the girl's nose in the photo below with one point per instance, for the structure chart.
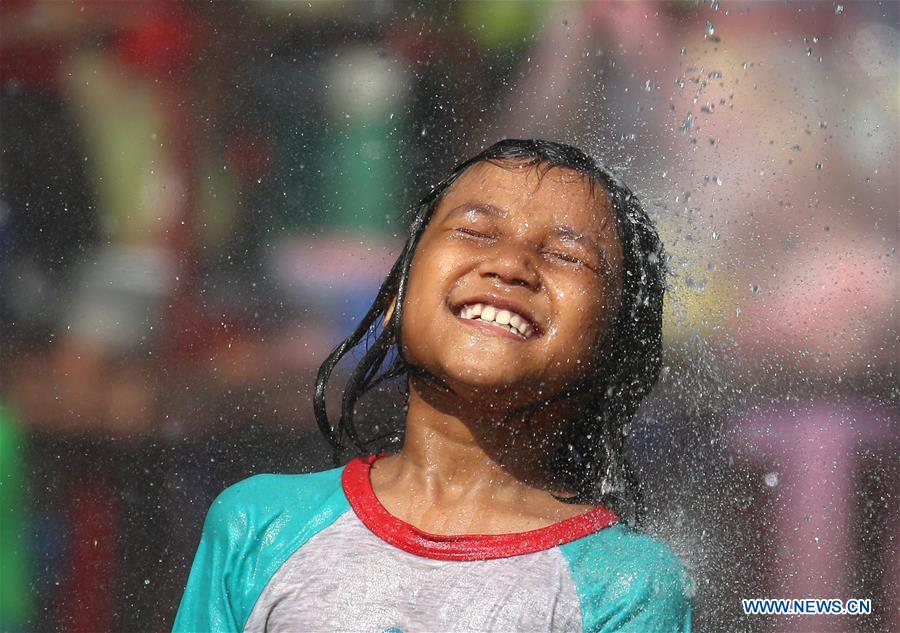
(511, 265)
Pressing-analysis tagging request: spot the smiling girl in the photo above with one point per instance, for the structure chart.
(525, 311)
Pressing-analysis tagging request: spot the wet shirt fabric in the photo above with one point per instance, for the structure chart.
(319, 552)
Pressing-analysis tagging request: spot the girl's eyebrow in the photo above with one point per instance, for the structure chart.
(482, 208)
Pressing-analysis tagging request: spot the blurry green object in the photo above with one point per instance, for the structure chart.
(501, 24)
(343, 177)
(339, 162)
(368, 91)
(121, 115)
(367, 177)
(15, 585)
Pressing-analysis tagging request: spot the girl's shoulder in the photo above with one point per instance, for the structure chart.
(627, 547)
(250, 530)
(621, 572)
(258, 499)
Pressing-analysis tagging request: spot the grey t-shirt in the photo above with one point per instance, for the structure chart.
(319, 552)
(347, 579)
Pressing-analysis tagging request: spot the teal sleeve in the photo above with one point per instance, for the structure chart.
(629, 582)
(251, 529)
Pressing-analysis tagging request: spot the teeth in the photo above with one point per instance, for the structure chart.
(507, 319)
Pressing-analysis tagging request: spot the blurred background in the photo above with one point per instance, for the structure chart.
(199, 199)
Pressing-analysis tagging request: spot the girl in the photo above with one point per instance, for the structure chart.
(525, 310)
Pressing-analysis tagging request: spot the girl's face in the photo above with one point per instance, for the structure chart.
(514, 283)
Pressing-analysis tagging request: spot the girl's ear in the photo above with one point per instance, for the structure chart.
(389, 312)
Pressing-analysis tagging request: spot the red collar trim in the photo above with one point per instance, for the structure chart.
(358, 489)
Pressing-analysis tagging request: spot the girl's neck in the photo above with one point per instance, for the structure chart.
(461, 470)
(470, 443)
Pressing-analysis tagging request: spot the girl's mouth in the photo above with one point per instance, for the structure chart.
(496, 319)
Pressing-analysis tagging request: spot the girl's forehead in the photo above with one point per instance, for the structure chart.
(518, 188)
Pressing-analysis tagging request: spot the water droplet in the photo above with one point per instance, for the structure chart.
(146, 581)
(718, 181)
(809, 51)
(697, 285)
(823, 124)
(679, 83)
(688, 123)
(771, 479)
(839, 9)
(754, 289)
(710, 28)
(820, 166)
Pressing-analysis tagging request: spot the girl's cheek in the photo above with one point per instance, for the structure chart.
(447, 265)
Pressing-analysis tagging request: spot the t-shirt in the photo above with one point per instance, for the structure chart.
(319, 552)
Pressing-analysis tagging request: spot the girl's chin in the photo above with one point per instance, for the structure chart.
(490, 392)
(491, 386)
(485, 375)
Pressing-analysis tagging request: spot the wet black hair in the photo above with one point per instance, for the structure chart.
(590, 461)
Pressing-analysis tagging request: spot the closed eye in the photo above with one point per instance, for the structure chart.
(571, 259)
(473, 233)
